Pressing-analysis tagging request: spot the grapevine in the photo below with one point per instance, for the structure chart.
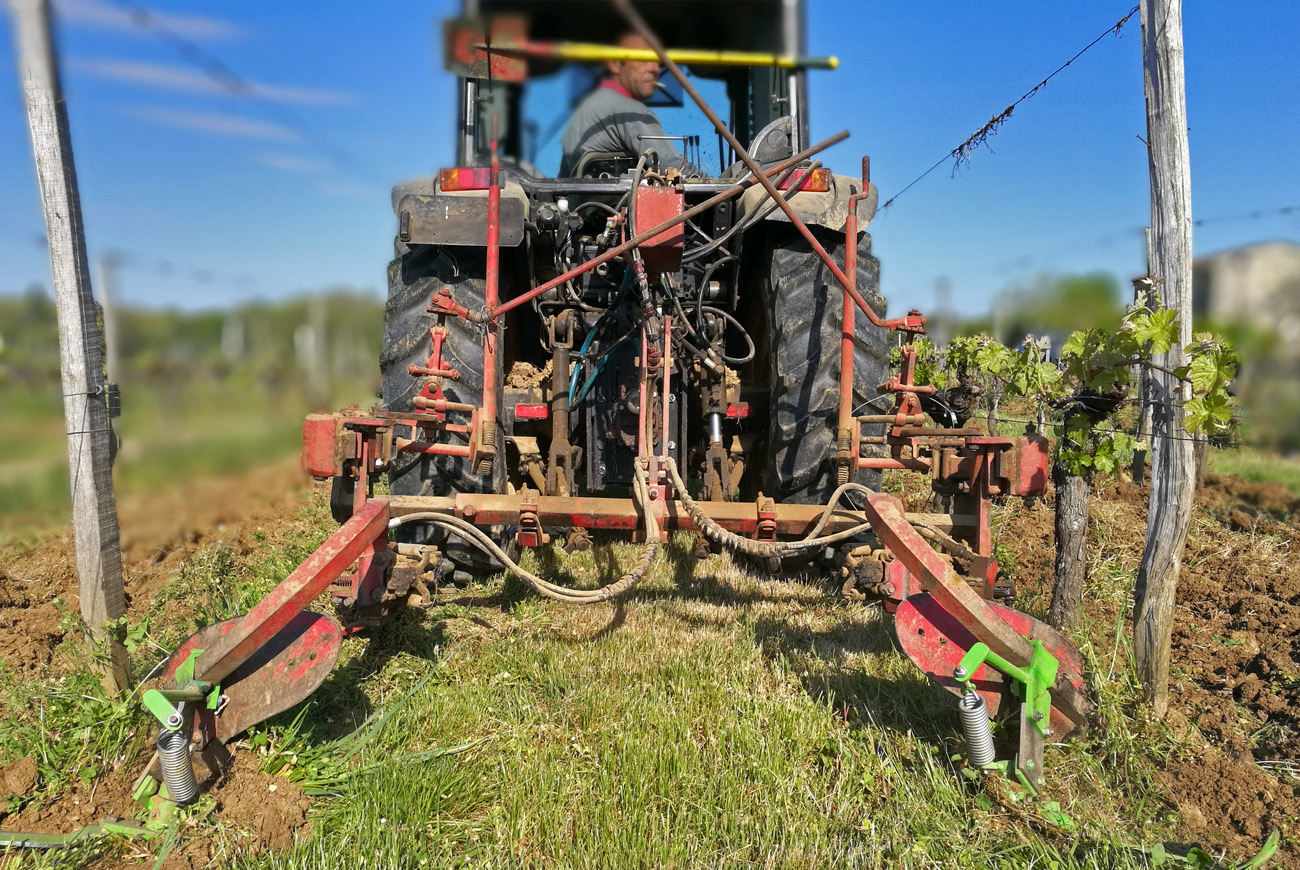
(1091, 383)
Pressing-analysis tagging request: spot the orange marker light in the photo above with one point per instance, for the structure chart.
(465, 178)
(817, 181)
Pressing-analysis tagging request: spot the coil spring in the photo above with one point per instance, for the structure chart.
(484, 465)
(977, 730)
(177, 770)
(843, 444)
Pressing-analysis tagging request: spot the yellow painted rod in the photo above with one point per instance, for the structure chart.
(591, 52)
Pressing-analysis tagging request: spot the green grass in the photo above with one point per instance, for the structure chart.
(717, 719)
(1257, 466)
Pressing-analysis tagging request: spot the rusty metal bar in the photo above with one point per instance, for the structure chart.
(308, 580)
(847, 327)
(893, 419)
(486, 435)
(489, 509)
(442, 405)
(404, 445)
(618, 250)
(891, 462)
(638, 24)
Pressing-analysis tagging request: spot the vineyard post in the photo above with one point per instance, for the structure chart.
(81, 362)
(1172, 460)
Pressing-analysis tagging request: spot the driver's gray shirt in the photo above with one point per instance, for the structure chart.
(606, 121)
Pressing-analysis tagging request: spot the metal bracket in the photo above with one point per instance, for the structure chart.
(1033, 684)
(766, 530)
(530, 532)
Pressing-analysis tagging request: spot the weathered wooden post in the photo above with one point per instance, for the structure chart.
(1172, 460)
(94, 512)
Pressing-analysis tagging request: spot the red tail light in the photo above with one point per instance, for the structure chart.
(465, 178)
(817, 181)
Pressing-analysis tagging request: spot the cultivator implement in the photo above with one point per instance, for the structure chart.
(669, 446)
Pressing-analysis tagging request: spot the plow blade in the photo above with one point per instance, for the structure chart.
(282, 672)
(935, 640)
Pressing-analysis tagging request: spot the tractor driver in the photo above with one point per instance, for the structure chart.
(612, 117)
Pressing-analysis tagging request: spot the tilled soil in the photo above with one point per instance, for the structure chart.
(159, 533)
(80, 805)
(260, 813)
(271, 809)
(1235, 689)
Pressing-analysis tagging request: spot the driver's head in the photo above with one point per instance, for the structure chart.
(637, 76)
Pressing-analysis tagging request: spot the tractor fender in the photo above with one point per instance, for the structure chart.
(829, 209)
(429, 216)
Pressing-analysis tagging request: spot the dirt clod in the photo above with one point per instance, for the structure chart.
(524, 375)
(17, 779)
(273, 809)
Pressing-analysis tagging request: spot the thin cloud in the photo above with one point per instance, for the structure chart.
(291, 162)
(95, 15)
(177, 78)
(217, 124)
(344, 189)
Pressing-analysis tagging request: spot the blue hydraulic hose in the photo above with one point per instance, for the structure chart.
(599, 365)
(573, 381)
(582, 352)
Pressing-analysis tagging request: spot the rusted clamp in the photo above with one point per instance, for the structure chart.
(436, 367)
(443, 303)
(766, 529)
(900, 387)
(530, 532)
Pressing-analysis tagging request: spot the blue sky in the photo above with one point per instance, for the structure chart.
(212, 197)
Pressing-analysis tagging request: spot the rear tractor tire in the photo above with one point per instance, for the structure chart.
(414, 276)
(804, 312)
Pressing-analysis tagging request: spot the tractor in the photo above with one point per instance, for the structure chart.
(636, 350)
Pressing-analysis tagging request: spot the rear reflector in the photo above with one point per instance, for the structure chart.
(531, 412)
(817, 181)
(465, 178)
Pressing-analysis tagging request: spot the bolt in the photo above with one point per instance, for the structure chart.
(672, 397)
(601, 469)
(959, 673)
(1038, 716)
(654, 494)
(672, 445)
(887, 588)
(469, 511)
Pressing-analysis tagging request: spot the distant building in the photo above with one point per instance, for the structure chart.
(1257, 283)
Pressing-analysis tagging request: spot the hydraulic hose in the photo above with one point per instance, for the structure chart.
(737, 360)
(952, 545)
(564, 594)
(748, 546)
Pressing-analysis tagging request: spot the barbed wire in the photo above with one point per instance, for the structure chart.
(980, 137)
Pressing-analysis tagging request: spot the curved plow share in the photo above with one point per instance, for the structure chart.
(233, 674)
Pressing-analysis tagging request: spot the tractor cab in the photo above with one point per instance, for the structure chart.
(527, 98)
